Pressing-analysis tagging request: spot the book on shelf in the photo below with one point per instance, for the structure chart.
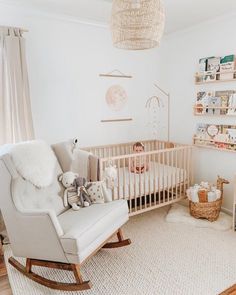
(201, 131)
(206, 74)
(216, 102)
(227, 66)
(216, 68)
(202, 65)
(232, 104)
(212, 67)
(204, 99)
(219, 136)
(213, 64)
(224, 96)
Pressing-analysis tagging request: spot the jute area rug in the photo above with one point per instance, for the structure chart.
(164, 258)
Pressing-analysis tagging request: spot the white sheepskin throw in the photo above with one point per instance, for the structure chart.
(35, 161)
(180, 214)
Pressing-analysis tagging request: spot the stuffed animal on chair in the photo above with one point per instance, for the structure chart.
(77, 185)
(81, 187)
(110, 175)
(68, 180)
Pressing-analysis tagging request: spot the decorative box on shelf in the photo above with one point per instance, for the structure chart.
(221, 137)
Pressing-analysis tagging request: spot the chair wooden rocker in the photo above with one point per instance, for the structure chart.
(41, 230)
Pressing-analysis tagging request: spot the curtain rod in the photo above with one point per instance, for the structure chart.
(23, 30)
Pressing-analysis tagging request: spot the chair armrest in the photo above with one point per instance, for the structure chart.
(49, 216)
(37, 235)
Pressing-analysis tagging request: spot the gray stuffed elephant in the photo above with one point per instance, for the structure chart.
(81, 187)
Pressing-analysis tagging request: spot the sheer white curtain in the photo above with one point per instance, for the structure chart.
(16, 122)
(15, 109)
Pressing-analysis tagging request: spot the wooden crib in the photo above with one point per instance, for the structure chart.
(165, 182)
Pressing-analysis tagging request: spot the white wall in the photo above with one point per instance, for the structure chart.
(64, 60)
(180, 53)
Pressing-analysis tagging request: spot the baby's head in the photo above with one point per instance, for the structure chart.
(138, 147)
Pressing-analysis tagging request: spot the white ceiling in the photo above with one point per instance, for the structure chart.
(180, 14)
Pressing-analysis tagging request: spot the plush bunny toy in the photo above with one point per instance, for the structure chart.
(110, 175)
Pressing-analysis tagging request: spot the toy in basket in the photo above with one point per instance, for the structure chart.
(205, 200)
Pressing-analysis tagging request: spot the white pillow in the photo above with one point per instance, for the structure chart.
(98, 192)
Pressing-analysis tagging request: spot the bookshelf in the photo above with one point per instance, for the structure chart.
(216, 103)
(201, 111)
(200, 78)
(214, 144)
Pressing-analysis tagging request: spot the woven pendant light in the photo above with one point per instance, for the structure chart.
(137, 24)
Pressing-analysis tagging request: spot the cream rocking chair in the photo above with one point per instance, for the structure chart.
(40, 228)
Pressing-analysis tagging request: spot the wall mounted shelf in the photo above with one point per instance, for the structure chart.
(214, 144)
(199, 77)
(201, 111)
(215, 81)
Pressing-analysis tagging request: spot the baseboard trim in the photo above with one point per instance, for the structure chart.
(227, 211)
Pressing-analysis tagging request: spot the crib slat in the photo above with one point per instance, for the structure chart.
(154, 180)
(118, 168)
(140, 187)
(159, 177)
(167, 180)
(181, 167)
(124, 180)
(176, 174)
(135, 191)
(188, 165)
(163, 173)
(172, 174)
(130, 184)
(185, 170)
(149, 174)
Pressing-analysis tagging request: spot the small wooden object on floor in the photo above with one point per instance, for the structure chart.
(79, 284)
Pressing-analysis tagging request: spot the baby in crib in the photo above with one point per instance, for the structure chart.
(138, 164)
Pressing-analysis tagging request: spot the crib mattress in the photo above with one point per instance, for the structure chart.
(159, 177)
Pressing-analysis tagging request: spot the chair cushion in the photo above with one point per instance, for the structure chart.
(84, 227)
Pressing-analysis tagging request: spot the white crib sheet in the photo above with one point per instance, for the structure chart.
(158, 177)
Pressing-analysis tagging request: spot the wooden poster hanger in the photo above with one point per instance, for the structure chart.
(115, 74)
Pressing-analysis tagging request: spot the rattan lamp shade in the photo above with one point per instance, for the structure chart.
(137, 24)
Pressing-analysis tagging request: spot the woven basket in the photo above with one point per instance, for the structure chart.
(209, 210)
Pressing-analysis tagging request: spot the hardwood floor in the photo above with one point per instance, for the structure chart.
(5, 288)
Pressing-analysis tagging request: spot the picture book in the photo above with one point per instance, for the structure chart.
(224, 96)
(201, 131)
(213, 64)
(214, 104)
(227, 66)
(202, 65)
